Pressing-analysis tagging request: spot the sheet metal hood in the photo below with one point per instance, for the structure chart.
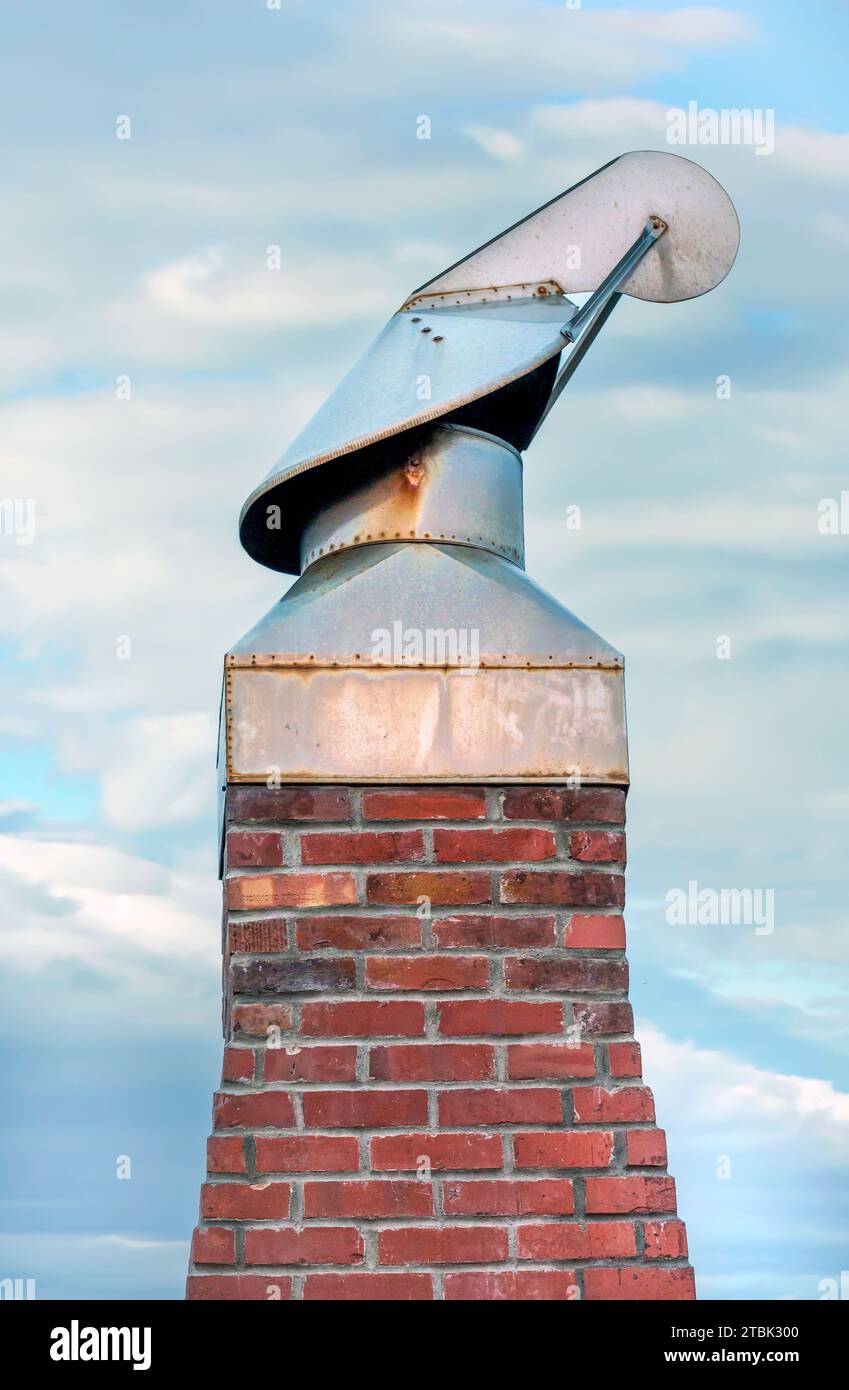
(480, 343)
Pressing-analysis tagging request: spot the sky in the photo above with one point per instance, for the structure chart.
(152, 368)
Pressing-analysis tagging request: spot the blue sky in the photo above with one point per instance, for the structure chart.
(146, 258)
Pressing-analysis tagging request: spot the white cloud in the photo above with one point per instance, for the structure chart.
(498, 143)
(159, 771)
(706, 27)
(739, 1137)
(532, 44)
(600, 118)
(10, 810)
(112, 911)
(814, 154)
(709, 1091)
(211, 289)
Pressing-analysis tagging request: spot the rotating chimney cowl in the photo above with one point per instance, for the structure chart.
(413, 646)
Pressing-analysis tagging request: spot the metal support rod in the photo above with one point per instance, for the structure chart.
(577, 355)
(653, 230)
(584, 328)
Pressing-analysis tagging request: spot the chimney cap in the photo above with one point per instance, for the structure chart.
(498, 316)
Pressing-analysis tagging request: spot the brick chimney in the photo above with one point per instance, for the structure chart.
(431, 1087)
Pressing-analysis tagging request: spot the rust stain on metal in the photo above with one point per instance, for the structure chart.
(414, 472)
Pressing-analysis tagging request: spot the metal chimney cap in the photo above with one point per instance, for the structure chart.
(649, 224)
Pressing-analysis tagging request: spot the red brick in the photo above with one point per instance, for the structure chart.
(594, 1105)
(597, 846)
(229, 1287)
(241, 1201)
(265, 935)
(528, 1105)
(613, 1195)
(509, 1197)
(311, 1064)
(254, 1020)
(433, 1062)
(561, 888)
(532, 1285)
(442, 1245)
(468, 1018)
(543, 1014)
(592, 804)
(307, 1153)
(493, 931)
(441, 888)
(368, 1200)
(665, 1240)
(427, 972)
(254, 1109)
(578, 975)
(425, 805)
(493, 846)
(252, 891)
(214, 1245)
(646, 1148)
(357, 933)
(549, 1061)
(361, 1109)
(366, 1287)
(601, 1019)
(637, 1282)
(362, 847)
(316, 1245)
(238, 1064)
(562, 1149)
(225, 1154)
(271, 804)
(568, 1240)
(596, 933)
(624, 1059)
(444, 1152)
(251, 849)
(363, 1019)
(304, 976)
